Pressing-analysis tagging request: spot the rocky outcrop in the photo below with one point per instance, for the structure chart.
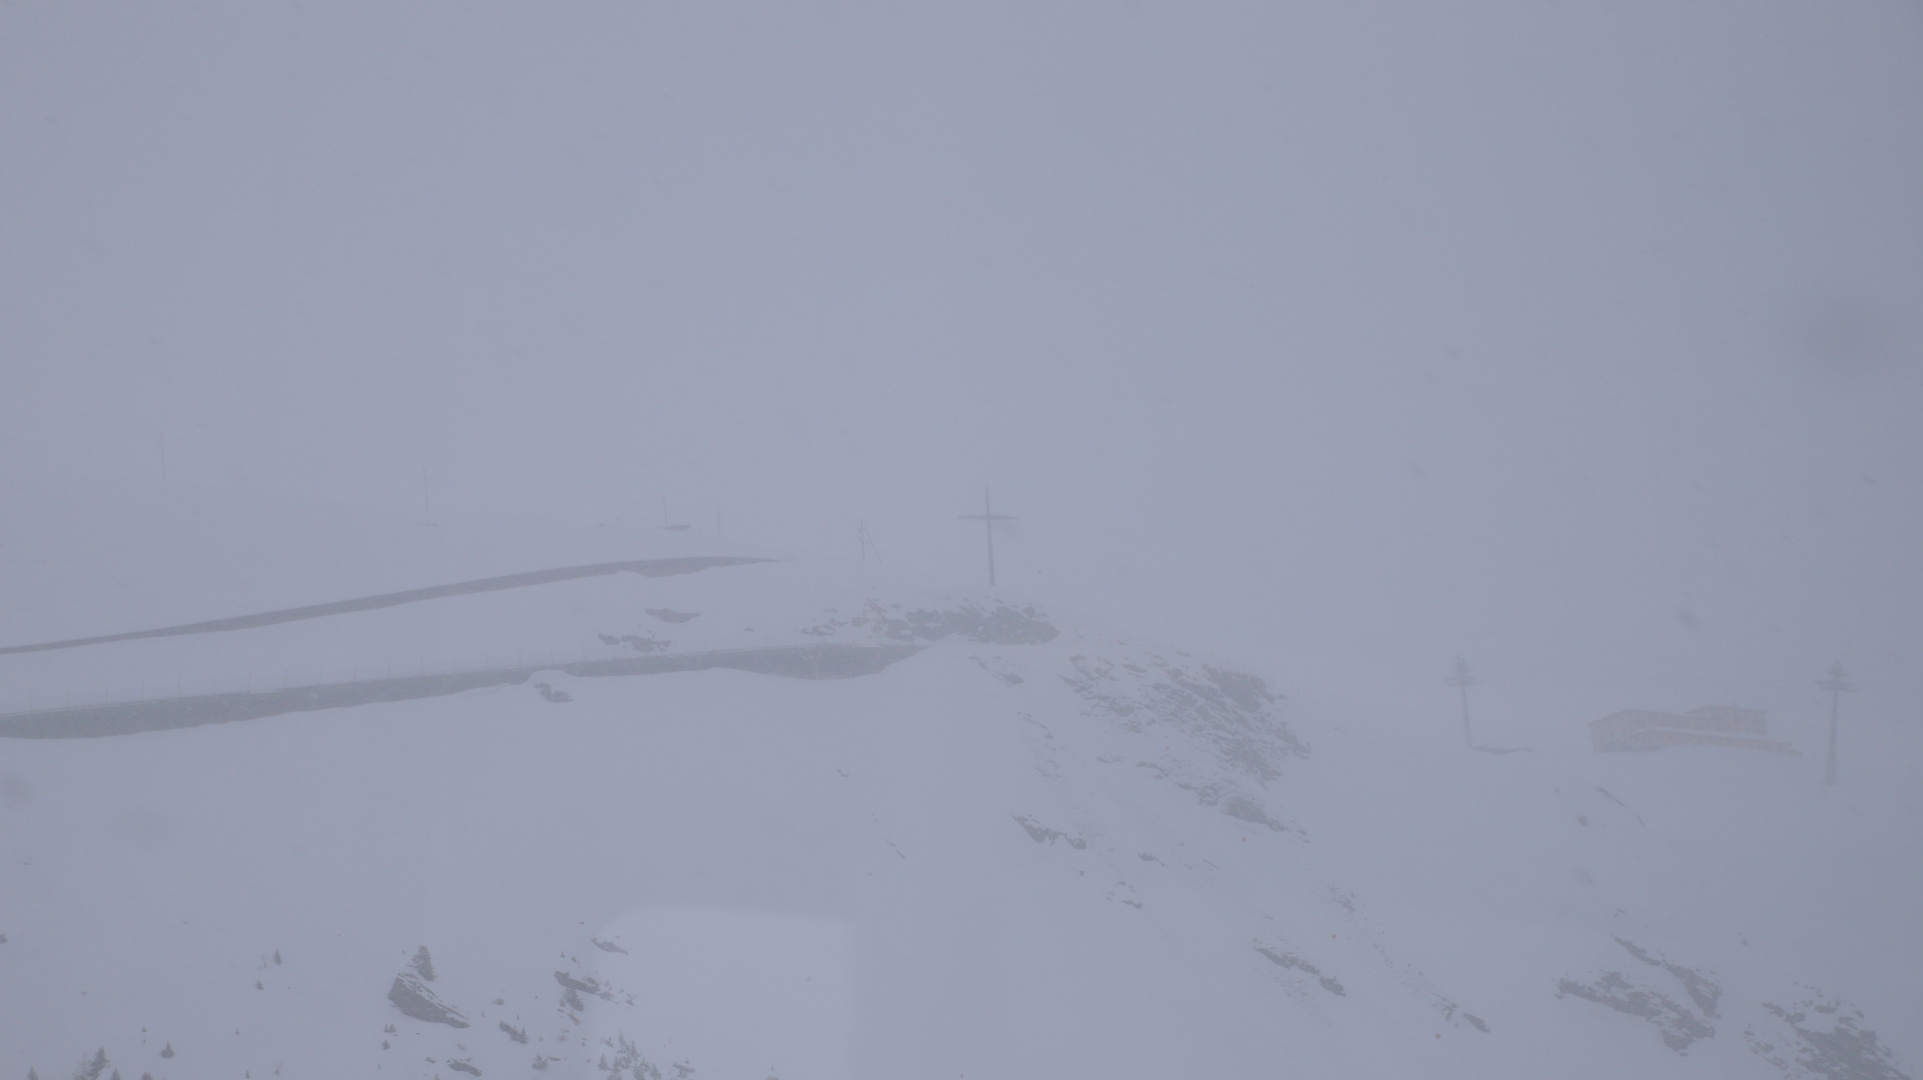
(410, 995)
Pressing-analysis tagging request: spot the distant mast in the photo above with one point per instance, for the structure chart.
(1837, 684)
(1463, 679)
(988, 517)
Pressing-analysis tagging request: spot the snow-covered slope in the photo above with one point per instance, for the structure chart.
(1028, 848)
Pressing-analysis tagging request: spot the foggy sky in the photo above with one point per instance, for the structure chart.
(1581, 341)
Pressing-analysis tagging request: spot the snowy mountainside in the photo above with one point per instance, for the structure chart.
(1025, 848)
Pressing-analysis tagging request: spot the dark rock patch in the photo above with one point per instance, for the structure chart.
(411, 995)
(1702, 989)
(1296, 963)
(998, 625)
(1042, 834)
(641, 643)
(1847, 1051)
(1674, 1022)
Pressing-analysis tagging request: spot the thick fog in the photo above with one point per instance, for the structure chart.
(1583, 342)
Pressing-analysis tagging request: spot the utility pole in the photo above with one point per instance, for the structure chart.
(1463, 679)
(868, 544)
(1837, 684)
(988, 517)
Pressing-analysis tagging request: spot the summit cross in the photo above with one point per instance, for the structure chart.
(988, 517)
(1463, 679)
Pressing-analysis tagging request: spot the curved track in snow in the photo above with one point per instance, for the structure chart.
(829, 661)
(644, 567)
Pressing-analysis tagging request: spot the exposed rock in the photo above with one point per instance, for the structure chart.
(1214, 791)
(1847, 1051)
(1292, 961)
(584, 984)
(1702, 989)
(999, 625)
(1243, 808)
(644, 643)
(1674, 1022)
(1007, 677)
(669, 615)
(628, 1062)
(1042, 834)
(411, 995)
(1233, 712)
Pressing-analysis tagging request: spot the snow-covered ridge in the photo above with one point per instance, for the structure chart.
(1022, 847)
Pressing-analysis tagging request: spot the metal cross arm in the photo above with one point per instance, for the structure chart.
(988, 517)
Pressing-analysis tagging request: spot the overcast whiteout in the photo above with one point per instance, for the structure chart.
(495, 541)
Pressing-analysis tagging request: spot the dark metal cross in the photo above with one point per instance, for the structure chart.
(1837, 684)
(1464, 679)
(988, 517)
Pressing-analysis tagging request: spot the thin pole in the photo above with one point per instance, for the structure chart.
(988, 526)
(988, 518)
(1837, 684)
(1829, 762)
(1464, 679)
